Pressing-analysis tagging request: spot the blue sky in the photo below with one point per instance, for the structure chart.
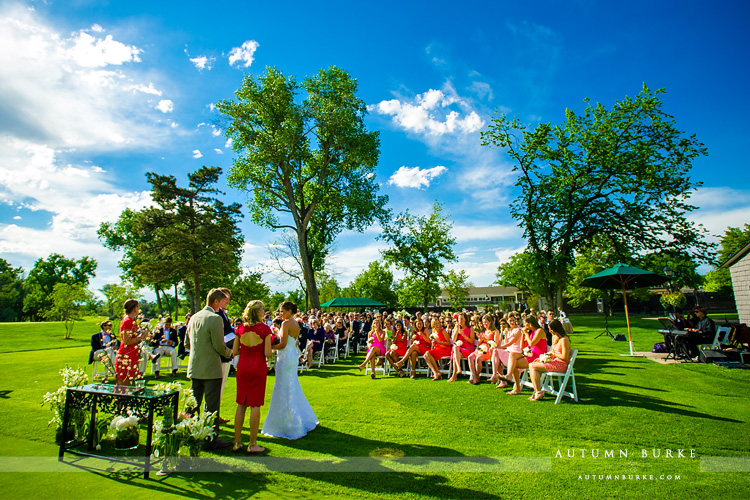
(95, 94)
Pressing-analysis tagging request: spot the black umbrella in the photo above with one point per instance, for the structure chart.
(624, 277)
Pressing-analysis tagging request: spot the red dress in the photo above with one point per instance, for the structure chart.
(400, 342)
(251, 369)
(441, 351)
(467, 346)
(126, 365)
(424, 343)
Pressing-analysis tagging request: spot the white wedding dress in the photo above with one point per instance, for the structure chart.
(289, 416)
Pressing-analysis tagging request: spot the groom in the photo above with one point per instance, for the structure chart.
(205, 339)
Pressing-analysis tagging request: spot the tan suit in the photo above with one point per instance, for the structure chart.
(205, 339)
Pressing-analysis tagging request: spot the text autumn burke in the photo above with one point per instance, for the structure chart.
(642, 453)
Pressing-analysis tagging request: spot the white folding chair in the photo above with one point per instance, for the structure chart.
(332, 350)
(562, 379)
(321, 355)
(99, 371)
(722, 336)
(381, 364)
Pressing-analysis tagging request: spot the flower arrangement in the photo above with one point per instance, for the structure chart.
(482, 348)
(126, 431)
(56, 401)
(492, 344)
(433, 336)
(190, 430)
(275, 339)
(393, 347)
(527, 351)
(544, 358)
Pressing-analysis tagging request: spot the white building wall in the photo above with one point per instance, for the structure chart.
(740, 272)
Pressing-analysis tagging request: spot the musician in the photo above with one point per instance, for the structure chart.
(703, 333)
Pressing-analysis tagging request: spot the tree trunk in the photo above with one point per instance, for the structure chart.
(176, 304)
(158, 299)
(191, 297)
(307, 270)
(197, 283)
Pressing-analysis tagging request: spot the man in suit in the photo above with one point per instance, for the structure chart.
(103, 347)
(164, 342)
(228, 334)
(205, 340)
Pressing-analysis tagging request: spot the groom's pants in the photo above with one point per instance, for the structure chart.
(211, 389)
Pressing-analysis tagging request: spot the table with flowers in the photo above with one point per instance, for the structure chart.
(140, 402)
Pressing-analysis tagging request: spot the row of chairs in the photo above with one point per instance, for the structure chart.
(100, 369)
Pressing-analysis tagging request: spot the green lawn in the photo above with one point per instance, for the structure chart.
(625, 404)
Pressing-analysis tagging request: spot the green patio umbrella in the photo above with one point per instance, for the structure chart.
(624, 277)
(352, 302)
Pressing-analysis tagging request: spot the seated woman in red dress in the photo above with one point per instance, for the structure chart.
(559, 357)
(485, 349)
(253, 345)
(534, 344)
(399, 343)
(463, 344)
(420, 344)
(128, 356)
(441, 348)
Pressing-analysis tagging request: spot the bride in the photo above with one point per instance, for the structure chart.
(289, 415)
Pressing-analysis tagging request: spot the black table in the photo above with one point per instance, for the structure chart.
(109, 398)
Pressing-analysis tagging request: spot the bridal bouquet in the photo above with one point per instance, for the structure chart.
(482, 348)
(492, 344)
(544, 358)
(393, 347)
(527, 351)
(434, 336)
(459, 343)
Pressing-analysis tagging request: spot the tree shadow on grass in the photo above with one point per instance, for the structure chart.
(609, 396)
(4, 394)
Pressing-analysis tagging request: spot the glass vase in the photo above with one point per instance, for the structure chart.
(127, 439)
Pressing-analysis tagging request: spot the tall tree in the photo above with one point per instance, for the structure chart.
(249, 286)
(734, 239)
(45, 274)
(11, 292)
(620, 172)
(520, 272)
(309, 165)
(188, 235)
(376, 283)
(66, 303)
(457, 285)
(420, 246)
(115, 296)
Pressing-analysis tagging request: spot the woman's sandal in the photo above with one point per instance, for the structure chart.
(237, 447)
(501, 384)
(258, 449)
(537, 396)
(513, 392)
(372, 376)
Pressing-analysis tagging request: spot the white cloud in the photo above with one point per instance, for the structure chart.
(716, 212)
(486, 231)
(427, 115)
(414, 177)
(17, 217)
(165, 106)
(203, 62)
(244, 55)
(218, 151)
(197, 153)
(71, 92)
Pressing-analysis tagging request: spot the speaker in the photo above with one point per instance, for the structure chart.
(600, 305)
(705, 356)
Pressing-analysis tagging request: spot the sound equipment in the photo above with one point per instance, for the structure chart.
(745, 358)
(600, 305)
(706, 356)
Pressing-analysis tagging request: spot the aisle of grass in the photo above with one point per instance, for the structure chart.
(626, 403)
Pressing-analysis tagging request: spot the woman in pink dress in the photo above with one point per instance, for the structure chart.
(128, 356)
(399, 342)
(485, 349)
(420, 344)
(463, 344)
(497, 364)
(559, 357)
(535, 343)
(441, 348)
(253, 345)
(375, 346)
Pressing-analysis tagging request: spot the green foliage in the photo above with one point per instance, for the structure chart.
(457, 285)
(11, 292)
(309, 165)
(275, 300)
(520, 272)
(674, 299)
(620, 172)
(115, 296)
(45, 274)
(682, 265)
(250, 286)
(376, 283)
(419, 246)
(67, 303)
(734, 239)
(188, 235)
(328, 288)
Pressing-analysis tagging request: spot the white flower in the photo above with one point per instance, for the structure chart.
(434, 336)
(544, 358)
(492, 344)
(393, 347)
(459, 343)
(482, 348)
(526, 351)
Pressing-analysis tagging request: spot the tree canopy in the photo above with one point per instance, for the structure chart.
(376, 283)
(46, 273)
(734, 239)
(457, 285)
(420, 246)
(11, 291)
(307, 165)
(619, 172)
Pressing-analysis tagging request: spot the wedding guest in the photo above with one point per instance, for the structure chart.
(441, 348)
(103, 345)
(316, 337)
(164, 341)
(128, 356)
(253, 346)
(485, 348)
(559, 357)
(512, 345)
(376, 347)
(535, 343)
(463, 344)
(398, 348)
(420, 344)
(343, 334)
